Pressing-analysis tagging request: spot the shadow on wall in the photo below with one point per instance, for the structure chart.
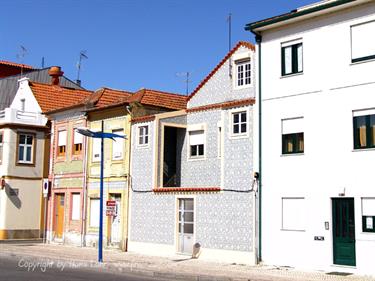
(12, 194)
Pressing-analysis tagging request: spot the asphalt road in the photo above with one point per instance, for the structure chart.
(19, 269)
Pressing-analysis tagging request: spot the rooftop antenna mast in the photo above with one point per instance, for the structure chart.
(229, 20)
(186, 75)
(82, 55)
(21, 55)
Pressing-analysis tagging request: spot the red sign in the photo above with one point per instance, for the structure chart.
(111, 209)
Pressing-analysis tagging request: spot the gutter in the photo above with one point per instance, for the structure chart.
(84, 195)
(258, 39)
(294, 14)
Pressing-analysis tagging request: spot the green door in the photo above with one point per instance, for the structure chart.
(343, 229)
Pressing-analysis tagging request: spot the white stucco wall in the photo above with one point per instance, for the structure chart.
(325, 95)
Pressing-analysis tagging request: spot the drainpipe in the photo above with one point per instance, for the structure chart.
(258, 39)
(84, 207)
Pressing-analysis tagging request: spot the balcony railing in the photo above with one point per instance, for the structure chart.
(15, 116)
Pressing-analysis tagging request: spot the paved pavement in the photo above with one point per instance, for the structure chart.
(13, 269)
(173, 268)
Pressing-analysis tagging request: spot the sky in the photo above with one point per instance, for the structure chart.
(130, 44)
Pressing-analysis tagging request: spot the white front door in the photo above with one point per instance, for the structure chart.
(185, 225)
(116, 222)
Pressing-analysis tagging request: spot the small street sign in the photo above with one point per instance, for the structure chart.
(111, 209)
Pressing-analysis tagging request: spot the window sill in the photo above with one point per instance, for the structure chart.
(291, 75)
(243, 87)
(200, 158)
(293, 154)
(292, 230)
(239, 136)
(186, 189)
(360, 61)
(142, 146)
(25, 164)
(363, 149)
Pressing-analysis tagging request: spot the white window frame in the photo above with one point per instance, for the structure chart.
(243, 63)
(118, 143)
(96, 145)
(300, 216)
(143, 136)
(231, 113)
(25, 146)
(94, 224)
(289, 44)
(76, 206)
(62, 141)
(194, 128)
(363, 58)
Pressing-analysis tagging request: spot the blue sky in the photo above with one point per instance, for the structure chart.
(130, 43)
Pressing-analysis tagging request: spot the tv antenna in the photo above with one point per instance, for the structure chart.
(187, 80)
(82, 55)
(21, 55)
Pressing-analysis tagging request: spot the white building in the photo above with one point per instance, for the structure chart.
(317, 136)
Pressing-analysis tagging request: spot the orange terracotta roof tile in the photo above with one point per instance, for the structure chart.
(160, 99)
(231, 52)
(111, 96)
(53, 97)
(16, 64)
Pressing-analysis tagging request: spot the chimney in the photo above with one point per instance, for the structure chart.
(55, 72)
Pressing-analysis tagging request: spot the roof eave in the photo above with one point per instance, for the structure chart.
(269, 23)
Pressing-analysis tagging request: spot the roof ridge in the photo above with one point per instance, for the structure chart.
(220, 64)
(60, 86)
(165, 92)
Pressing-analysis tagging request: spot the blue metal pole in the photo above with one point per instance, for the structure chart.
(100, 257)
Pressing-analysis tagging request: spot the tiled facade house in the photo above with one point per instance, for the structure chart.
(113, 110)
(191, 170)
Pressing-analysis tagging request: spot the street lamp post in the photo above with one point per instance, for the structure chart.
(91, 134)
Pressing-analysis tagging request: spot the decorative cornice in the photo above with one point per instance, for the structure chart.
(186, 189)
(223, 105)
(143, 119)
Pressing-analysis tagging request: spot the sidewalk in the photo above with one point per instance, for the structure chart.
(174, 268)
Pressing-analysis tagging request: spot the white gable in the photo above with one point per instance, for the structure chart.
(26, 96)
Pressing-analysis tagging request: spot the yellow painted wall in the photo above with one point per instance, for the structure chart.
(115, 171)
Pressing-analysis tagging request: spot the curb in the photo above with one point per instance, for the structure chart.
(21, 241)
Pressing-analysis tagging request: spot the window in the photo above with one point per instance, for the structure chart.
(77, 143)
(368, 214)
(96, 149)
(143, 135)
(364, 129)
(243, 73)
(292, 136)
(1, 147)
(25, 148)
(118, 145)
(239, 123)
(94, 212)
(291, 58)
(22, 104)
(196, 143)
(363, 47)
(76, 206)
(293, 217)
(61, 143)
